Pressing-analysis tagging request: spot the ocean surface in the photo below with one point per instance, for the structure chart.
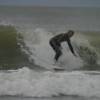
(26, 58)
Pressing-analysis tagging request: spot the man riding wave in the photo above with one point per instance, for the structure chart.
(56, 41)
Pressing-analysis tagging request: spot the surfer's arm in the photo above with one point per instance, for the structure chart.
(70, 46)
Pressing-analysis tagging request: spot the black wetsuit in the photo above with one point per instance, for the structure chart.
(56, 41)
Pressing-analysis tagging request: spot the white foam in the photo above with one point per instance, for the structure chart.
(46, 84)
(39, 50)
(43, 55)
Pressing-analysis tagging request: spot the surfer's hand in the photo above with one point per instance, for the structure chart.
(75, 55)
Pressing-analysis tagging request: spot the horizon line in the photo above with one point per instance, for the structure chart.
(48, 6)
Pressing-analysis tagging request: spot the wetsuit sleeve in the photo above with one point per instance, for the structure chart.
(70, 46)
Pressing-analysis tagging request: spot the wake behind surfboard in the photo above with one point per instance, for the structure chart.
(58, 66)
(49, 65)
(55, 67)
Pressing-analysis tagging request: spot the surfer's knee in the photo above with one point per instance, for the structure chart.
(58, 54)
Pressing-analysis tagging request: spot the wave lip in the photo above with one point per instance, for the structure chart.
(26, 82)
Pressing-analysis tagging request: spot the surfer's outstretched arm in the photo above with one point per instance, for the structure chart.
(70, 46)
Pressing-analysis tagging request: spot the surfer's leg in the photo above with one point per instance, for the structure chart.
(58, 54)
(56, 47)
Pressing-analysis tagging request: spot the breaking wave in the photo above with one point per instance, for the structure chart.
(36, 45)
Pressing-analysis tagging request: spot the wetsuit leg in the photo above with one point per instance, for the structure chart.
(58, 54)
(56, 48)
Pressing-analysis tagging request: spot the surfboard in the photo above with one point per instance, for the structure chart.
(58, 67)
(53, 67)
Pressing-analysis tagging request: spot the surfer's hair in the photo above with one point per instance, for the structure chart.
(71, 31)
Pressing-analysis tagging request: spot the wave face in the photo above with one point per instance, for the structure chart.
(11, 55)
(29, 83)
(38, 49)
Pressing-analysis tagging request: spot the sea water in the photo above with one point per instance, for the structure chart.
(26, 58)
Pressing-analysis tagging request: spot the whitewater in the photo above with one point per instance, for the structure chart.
(26, 82)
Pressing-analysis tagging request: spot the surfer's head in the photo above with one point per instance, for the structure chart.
(70, 33)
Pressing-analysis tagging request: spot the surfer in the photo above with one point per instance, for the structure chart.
(56, 41)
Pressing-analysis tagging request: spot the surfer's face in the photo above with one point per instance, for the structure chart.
(70, 33)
